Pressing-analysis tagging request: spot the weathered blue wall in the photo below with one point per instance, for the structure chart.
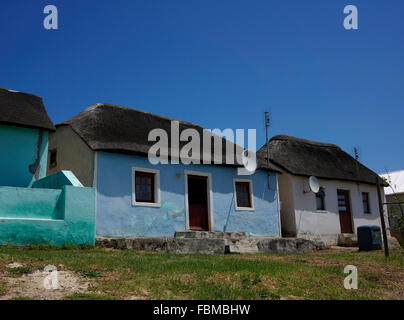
(117, 217)
(24, 153)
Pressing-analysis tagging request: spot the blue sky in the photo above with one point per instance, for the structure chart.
(221, 64)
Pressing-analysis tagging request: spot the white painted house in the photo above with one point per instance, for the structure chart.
(347, 198)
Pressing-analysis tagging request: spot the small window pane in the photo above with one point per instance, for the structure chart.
(365, 200)
(144, 186)
(243, 194)
(320, 200)
(52, 158)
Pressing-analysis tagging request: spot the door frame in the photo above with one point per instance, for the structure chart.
(350, 209)
(209, 196)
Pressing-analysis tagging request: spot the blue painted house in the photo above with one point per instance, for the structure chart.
(106, 147)
(34, 208)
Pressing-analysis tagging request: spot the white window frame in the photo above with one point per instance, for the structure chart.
(157, 192)
(250, 183)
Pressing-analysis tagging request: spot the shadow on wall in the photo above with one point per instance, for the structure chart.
(26, 155)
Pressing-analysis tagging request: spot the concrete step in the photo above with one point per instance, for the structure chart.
(247, 245)
(347, 240)
(290, 245)
(210, 235)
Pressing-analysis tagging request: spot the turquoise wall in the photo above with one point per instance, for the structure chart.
(24, 155)
(64, 215)
(29, 203)
(58, 180)
(117, 217)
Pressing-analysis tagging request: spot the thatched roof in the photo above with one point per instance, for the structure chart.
(23, 109)
(107, 127)
(310, 158)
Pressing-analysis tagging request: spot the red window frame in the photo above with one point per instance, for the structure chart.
(142, 182)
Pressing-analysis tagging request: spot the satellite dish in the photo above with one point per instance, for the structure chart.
(249, 162)
(314, 184)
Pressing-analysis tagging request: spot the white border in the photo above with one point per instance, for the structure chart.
(210, 197)
(250, 183)
(156, 188)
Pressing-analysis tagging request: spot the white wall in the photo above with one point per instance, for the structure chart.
(309, 221)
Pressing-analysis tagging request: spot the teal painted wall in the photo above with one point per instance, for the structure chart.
(29, 203)
(63, 215)
(24, 155)
(117, 217)
(57, 181)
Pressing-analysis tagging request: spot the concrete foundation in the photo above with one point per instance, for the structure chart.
(212, 243)
(290, 245)
(164, 244)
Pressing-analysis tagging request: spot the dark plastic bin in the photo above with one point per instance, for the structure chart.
(369, 238)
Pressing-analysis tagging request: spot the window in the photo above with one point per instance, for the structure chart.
(320, 200)
(366, 203)
(52, 158)
(243, 194)
(146, 187)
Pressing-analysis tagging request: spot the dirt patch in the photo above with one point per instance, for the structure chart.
(14, 265)
(43, 285)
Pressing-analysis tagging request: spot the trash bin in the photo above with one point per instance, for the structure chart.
(369, 238)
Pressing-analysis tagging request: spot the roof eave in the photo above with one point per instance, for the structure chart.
(53, 128)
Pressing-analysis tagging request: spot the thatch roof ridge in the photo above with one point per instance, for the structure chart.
(311, 158)
(301, 140)
(113, 128)
(24, 110)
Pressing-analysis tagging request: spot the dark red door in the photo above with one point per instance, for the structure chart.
(198, 202)
(344, 208)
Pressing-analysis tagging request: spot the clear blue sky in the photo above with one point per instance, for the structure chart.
(221, 64)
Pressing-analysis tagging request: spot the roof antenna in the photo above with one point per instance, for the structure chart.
(267, 145)
(356, 153)
(356, 156)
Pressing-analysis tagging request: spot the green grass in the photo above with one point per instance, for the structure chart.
(3, 288)
(21, 270)
(116, 274)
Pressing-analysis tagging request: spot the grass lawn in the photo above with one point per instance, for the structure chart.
(115, 274)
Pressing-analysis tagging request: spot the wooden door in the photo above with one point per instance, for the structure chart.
(198, 202)
(344, 208)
